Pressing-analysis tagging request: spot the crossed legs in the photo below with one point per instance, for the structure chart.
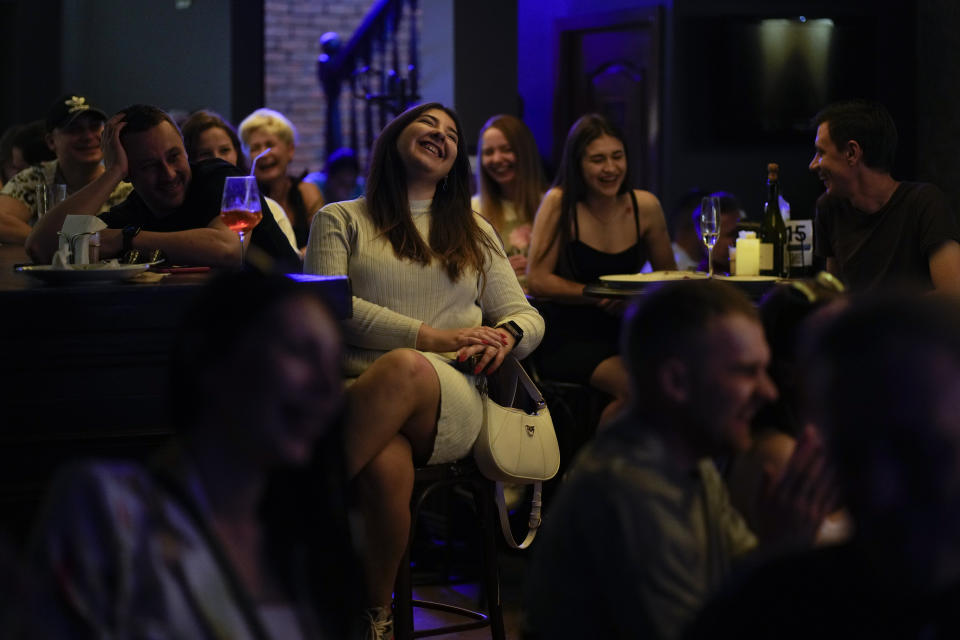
(392, 423)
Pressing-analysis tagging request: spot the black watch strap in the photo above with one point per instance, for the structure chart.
(513, 329)
(129, 233)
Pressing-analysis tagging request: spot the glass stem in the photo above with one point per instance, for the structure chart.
(710, 261)
(240, 233)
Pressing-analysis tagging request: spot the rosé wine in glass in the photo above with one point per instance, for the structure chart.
(241, 219)
(240, 209)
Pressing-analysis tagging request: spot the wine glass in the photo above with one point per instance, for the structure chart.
(710, 226)
(240, 209)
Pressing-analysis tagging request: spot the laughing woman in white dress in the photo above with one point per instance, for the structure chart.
(432, 286)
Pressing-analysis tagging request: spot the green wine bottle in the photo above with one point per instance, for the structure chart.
(773, 233)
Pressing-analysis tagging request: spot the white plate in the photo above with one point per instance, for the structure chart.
(84, 273)
(654, 276)
(749, 278)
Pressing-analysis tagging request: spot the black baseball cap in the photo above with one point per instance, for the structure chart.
(68, 108)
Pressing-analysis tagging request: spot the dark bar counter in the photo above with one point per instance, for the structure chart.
(84, 372)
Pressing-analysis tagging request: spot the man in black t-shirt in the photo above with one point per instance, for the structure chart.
(872, 229)
(175, 206)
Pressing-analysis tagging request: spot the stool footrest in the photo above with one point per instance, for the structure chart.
(481, 619)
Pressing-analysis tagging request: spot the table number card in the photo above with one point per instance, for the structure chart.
(800, 243)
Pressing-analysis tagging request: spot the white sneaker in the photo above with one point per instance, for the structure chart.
(378, 623)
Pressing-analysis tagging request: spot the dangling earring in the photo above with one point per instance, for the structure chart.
(443, 187)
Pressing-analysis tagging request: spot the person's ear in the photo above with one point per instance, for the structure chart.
(48, 139)
(673, 378)
(853, 152)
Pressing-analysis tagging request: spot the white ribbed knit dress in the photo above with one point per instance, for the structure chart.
(392, 297)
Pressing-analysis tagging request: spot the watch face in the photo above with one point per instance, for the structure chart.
(514, 330)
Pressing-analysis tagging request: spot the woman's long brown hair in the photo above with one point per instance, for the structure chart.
(456, 239)
(531, 183)
(570, 178)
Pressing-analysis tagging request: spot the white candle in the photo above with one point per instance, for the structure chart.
(748, 254)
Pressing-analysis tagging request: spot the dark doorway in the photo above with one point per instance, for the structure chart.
(610, 63)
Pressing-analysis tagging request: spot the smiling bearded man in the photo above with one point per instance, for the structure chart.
(174, 206)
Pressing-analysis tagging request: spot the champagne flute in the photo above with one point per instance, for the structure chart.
(240, 208)
(710, 226)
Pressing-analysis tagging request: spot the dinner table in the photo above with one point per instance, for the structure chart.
(628, 285)
(84, 366)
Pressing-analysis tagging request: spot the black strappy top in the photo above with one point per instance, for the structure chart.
(582, 263)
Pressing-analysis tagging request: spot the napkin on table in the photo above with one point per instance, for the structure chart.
(74, 226)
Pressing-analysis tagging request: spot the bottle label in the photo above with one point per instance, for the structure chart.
(766, 256)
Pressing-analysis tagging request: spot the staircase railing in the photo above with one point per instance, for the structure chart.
(380, 81)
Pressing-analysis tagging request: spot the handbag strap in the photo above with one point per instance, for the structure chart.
(511, 367)
(533, 524)
(527, 383)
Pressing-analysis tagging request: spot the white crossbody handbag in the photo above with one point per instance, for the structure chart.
(517, 443)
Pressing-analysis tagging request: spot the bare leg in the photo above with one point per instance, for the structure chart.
(392, 422)
(399, 393)
(610, 376)
(384, 488)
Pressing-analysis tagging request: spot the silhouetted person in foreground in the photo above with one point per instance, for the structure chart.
(884, 386)
(642, 532)
(239, 529)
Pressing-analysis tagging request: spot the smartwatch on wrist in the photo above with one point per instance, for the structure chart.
(129, 233)
(513, 329)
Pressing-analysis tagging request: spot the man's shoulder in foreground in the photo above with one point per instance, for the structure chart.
(626, 526)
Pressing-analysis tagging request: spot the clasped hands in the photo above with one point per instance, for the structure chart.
(489, 344)
(792, 506)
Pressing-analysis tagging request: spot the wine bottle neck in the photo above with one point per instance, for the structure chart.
(773, 191)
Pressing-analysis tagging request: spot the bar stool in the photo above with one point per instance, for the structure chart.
(463, 473)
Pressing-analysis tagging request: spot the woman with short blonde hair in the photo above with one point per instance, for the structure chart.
(270, 133)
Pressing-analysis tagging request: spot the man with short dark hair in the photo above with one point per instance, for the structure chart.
(642, 531)
(874, 230)
(72, 134)
(174, 206)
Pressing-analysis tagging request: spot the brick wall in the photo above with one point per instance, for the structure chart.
(292, 29)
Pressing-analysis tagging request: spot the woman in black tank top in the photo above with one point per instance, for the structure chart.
(591, 223)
